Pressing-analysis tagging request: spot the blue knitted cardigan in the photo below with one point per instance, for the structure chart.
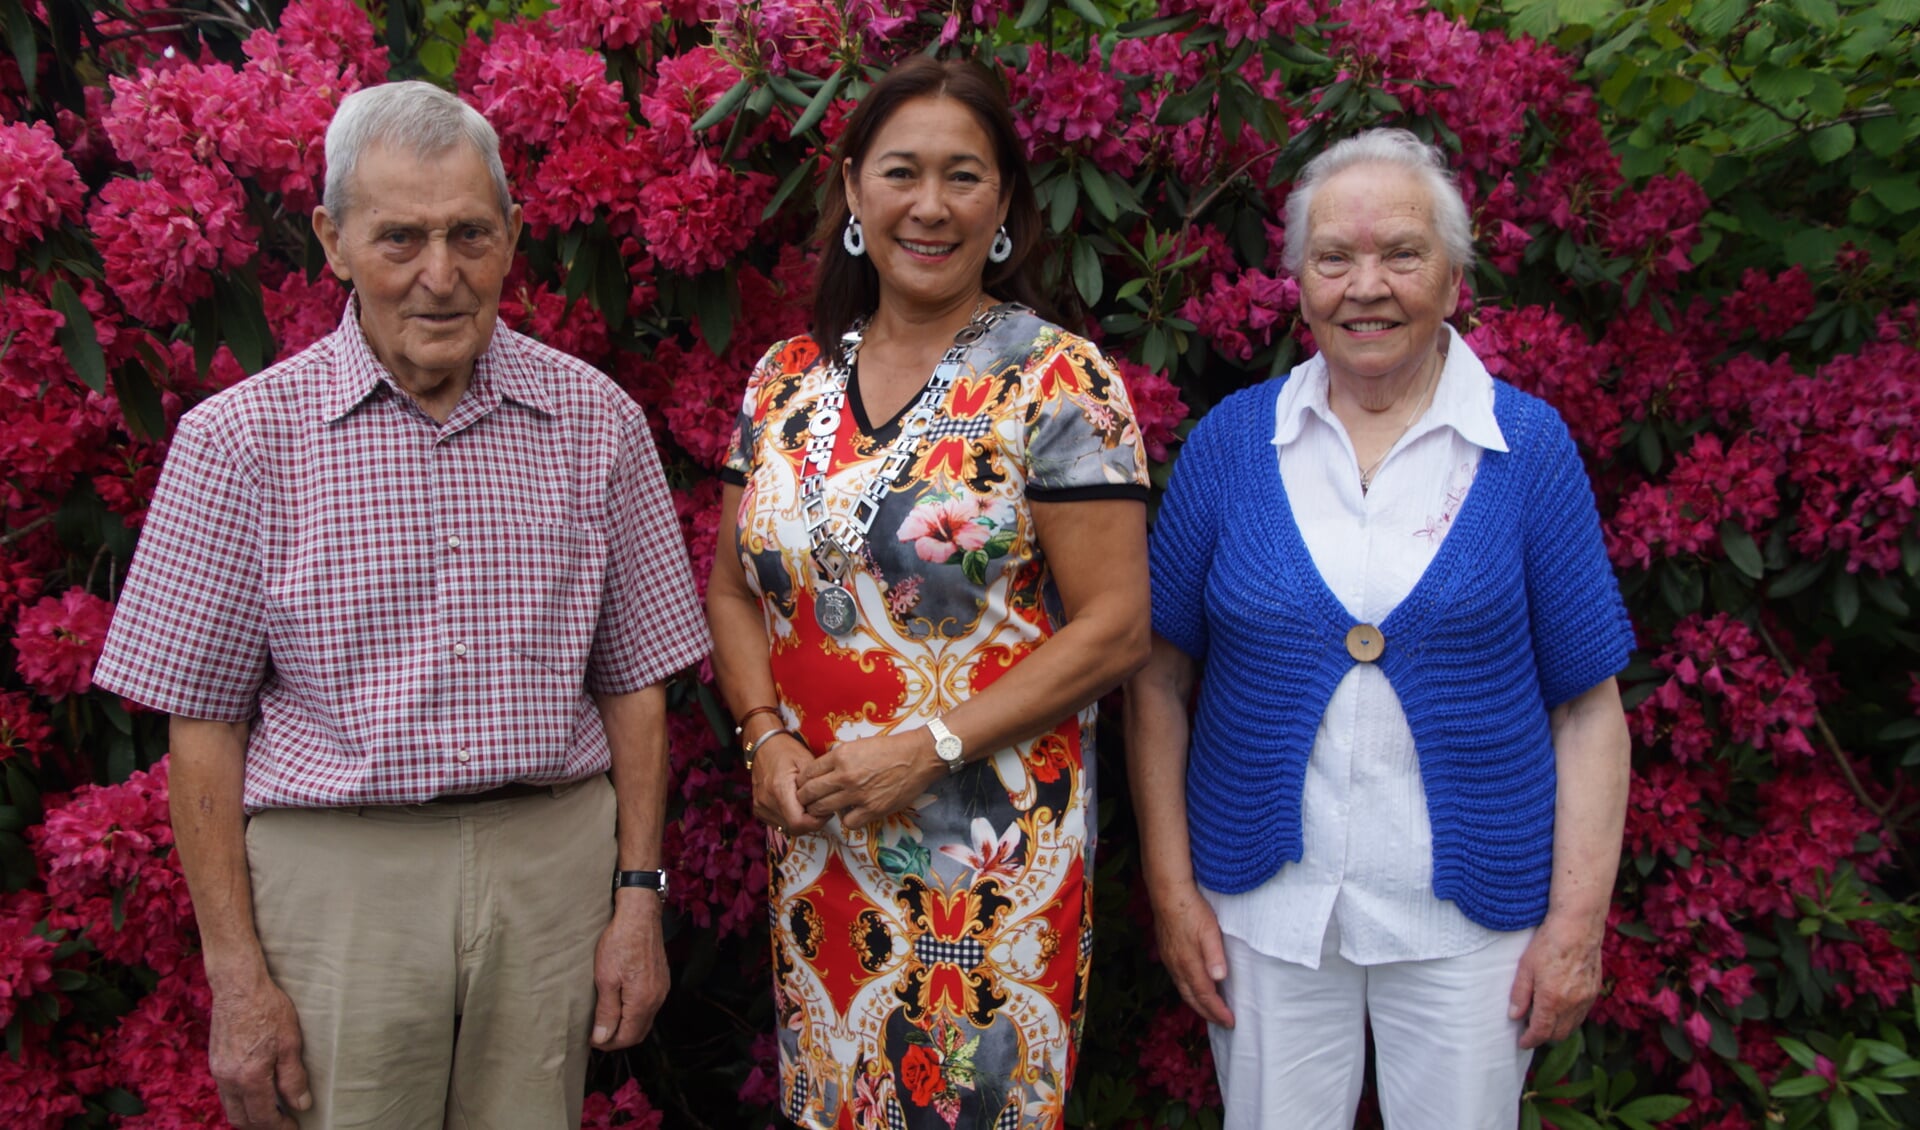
(1518, 612)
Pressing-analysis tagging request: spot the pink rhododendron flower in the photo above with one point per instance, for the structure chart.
(159, 1052)
(1157, 407)
(698, 219)
(58, 640)
(39, 189)
(626, 1107)
(162, 239)
(26, 953)
(1175, 1056)
(1240, 314)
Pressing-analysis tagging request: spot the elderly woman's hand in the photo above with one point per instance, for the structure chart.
(871, 778)
(1558, 980)
(1192, 951)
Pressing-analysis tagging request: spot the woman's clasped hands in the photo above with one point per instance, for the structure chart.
(860, 781)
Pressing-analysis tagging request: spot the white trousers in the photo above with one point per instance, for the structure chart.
(1445, 1055)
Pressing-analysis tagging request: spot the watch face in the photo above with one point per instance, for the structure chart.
(948, 748)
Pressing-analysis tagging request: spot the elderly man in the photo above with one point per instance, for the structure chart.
(410, 597)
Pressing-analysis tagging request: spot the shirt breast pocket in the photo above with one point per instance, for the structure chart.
(549, 579)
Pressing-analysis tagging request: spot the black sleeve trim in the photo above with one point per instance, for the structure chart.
(732, 477)
(1132, 491)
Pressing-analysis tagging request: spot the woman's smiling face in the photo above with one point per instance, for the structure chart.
(1376, 283)
(929, 200)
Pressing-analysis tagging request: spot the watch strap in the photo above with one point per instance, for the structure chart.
(655, 881)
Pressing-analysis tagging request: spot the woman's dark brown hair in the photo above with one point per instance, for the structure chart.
(846, 289)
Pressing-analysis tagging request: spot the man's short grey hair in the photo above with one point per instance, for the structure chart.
(1402, 150)
(417, 118)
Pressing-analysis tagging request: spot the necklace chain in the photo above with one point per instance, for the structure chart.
(1419, 405)
(836, 545)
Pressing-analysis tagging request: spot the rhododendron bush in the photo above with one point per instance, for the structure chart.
(1747, 398)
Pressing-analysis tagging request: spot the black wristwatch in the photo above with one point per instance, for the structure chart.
(655, 881)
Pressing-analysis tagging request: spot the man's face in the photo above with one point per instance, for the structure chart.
(426, 249)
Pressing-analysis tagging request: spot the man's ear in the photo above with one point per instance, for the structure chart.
(329, 235)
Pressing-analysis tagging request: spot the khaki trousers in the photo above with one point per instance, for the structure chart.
(440, 955)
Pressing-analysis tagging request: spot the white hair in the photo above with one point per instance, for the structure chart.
(414, 117)
(1401, 150)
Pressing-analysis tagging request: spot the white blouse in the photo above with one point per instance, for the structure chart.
(1373, 873)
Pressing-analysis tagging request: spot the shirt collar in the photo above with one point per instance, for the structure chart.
(501, 373)
(1463, 401)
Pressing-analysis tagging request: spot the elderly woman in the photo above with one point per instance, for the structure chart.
(938, 563)
(1400, 800)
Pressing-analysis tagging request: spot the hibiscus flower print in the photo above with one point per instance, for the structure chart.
(991, 856)
(943, 528)
(948, 529)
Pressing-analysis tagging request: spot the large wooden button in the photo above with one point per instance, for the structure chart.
(1365, 643)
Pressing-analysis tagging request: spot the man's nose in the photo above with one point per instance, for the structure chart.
(438, 271)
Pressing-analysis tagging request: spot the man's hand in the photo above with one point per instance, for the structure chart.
(254, 1054)
(629, 970)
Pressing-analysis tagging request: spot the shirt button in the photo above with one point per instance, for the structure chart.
(1365, 643)
(463, 757)
(459, 649)
(453, 541)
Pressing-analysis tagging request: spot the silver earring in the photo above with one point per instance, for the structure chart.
(1002, 246)
(853, 239)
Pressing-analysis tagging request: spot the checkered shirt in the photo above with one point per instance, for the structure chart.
(405, 609)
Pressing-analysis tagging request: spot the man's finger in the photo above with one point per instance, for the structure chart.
(606, 1012)
(290, 1076)
(259, 1105)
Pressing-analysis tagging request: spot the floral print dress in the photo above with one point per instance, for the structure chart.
(930, 970)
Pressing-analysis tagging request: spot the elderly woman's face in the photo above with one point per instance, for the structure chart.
(929, 201)
(1376, 283)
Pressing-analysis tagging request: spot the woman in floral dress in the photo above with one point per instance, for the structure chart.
(939, 535)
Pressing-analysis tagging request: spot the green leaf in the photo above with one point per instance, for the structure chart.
(1899, 194)
(1567, 1118)
(723, 109)
(1840, 1113)
(1098, 194)
(1088, 12)
(1586, 13)
(1086, 272)
(1779, 85)
(1831, 143)
(1032, 14)
(1655, 1108)
(439, 57)
(1741, 549)
(1797, 578)
(1186, 105)
(1846, 599)
(26, 51)
(243, 320)
(1716, 18)
(140, 402)
(713, 299)
(1559, 1061)
(792, 181)
(1799, 1087)
(1886, 594)
(1169, 25)
(121, 1102)
(822, 98)
(1066, 198)
(1820, 13)
(78, 339)
(1884, 136)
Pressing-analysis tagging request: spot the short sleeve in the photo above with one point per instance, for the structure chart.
(1581, 632)
(651, 624)
(189, 633)
(746, 429)
(1081, 439)
(1185, 531)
